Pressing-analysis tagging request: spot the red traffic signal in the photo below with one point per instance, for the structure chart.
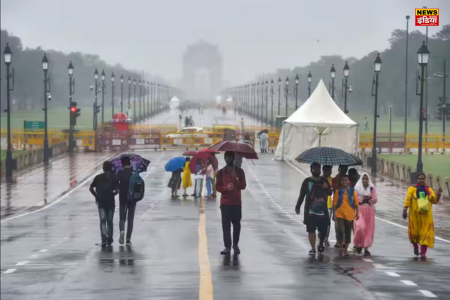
(73, 109)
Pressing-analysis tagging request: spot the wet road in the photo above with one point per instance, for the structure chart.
(54, 253)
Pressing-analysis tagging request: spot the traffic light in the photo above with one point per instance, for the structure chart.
(438, 111)
(74, 113)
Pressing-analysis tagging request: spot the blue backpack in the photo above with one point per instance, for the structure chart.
(137, 187)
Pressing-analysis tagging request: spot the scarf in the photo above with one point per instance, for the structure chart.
(361, 190)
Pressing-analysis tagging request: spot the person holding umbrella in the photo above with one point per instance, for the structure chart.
(230, 182)
(316, 190)
(187, 182)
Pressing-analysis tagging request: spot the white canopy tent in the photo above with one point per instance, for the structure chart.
(318, 122)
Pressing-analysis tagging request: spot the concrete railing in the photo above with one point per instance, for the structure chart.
(33, 157)
(402, 173)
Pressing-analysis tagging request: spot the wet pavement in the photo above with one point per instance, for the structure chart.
(54, 253)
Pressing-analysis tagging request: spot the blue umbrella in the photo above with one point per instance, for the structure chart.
(175, 164)
(328, 156)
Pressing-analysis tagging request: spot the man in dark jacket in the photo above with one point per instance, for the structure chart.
(230, 182)
(126, 207)
(104, 188)
(316, 189)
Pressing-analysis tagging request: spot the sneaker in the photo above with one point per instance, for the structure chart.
(236, 250)
(312, 252)
(128, 243)
(367, 253)
(225, 251)
(110, 242)
(326, 243)
(122, 237)
(103, 244)
(320, 249)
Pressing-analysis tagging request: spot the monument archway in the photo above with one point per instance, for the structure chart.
(202, 72)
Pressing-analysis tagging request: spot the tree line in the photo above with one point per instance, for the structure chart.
(29, 78)
(391, 79)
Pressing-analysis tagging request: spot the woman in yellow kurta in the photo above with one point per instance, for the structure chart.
(420, 224)
(187, 182)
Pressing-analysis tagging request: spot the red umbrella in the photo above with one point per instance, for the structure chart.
(203, 156)
(209, 150)
(190, 153)
(242, 149)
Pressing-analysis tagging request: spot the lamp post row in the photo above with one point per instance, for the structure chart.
(155, 94)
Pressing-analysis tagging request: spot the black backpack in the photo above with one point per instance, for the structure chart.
(137, 187)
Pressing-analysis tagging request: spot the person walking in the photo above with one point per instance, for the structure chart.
(353, 177)
(209, 177)
(264, 139)
(230, 183)
(316, 189)
(187, 181)
(336, 182)
(126, 207)
(199, 176)
(419, 200)
(345, 203)
(175, 182)
(364, 228)
(326, 173)
(104, 188)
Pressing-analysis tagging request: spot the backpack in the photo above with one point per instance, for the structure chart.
(137, 187)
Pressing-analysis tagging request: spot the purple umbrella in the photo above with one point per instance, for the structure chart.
(137, 162)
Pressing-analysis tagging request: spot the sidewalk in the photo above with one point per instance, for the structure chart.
(38, 186)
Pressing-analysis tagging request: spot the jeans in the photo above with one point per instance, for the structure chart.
(330, 214)
(344, 230)
(198, 185)
(231, 214)
(124, 209)
(106, 216)
(209, 185)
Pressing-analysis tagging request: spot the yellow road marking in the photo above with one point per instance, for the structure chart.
(206, 287)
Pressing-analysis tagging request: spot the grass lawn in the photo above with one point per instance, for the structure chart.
(436, 164)
(3, 153)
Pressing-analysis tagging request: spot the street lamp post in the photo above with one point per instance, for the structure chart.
(267, 100)
(46, 92)
(296, 92)
(279, 96)
(71, 128)
(423, 56)
(377, 66)
(140, 100)
(345, 86)
(152, 99)
(7, 54)
(134, 100)
(271, 107)
(129, 95)
(121, 93)
(333, 76)
(113, 78)
(286, 92)
(309, 84)
(103, 96)
(406, 78)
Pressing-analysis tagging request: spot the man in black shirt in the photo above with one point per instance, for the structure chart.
(104, 188)
(316, 190)
(125, 206)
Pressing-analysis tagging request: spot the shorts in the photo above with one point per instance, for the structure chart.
(319, 223)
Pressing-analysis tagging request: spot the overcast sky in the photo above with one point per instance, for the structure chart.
(254, 36)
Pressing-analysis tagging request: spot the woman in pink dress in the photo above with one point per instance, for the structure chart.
(365, 227)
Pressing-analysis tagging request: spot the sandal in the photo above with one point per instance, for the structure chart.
(312, 252)
(358, 250)
(367, 253)
(341, 252)
(320, 249)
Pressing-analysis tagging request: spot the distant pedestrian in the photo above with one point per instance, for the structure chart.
(199, 177)
(175, 182)
(104, 188)
(264, 140)
(230, 182)
(316, 190)
(419, 199)
(326, 173)
(187, 182)
(345, 202)
(209, 177)
(364, 228)
(366, 124)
